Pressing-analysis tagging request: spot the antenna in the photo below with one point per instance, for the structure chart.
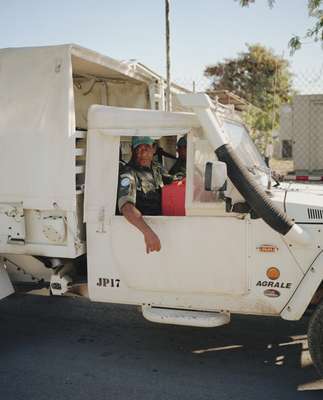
(168, 99)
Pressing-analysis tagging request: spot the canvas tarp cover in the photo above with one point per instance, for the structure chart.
(36, 127)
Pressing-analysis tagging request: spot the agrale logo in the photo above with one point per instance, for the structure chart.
(277, 285)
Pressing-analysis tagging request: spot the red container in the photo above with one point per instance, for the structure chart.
(173, 198)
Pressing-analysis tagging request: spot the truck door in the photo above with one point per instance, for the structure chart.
(199, 255)
(203, 253)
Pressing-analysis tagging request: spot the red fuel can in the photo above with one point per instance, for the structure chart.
(173, 198)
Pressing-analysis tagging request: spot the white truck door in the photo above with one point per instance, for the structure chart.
(202, 254)
(199, 255)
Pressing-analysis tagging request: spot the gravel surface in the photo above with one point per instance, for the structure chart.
(65, 348)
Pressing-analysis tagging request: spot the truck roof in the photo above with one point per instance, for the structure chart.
(84, 59)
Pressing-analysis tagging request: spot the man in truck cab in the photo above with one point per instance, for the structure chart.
(179, 168)
(139, 192)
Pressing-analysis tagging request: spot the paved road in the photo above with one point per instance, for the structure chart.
(65, 348)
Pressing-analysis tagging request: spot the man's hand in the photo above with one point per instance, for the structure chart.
(133, 215)
(152, 241)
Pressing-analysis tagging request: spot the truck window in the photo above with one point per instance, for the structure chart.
(200, 202)
(165, 150)
(243, 145)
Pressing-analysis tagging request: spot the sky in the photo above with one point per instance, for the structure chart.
(203, 32)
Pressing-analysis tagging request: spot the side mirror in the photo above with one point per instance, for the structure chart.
(215, 176)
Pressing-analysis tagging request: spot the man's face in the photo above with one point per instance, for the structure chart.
(144, 154)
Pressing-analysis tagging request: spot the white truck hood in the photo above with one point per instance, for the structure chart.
(303, 202)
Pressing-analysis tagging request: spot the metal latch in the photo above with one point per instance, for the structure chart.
(15, 221)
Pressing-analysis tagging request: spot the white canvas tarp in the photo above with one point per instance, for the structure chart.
(36, 125)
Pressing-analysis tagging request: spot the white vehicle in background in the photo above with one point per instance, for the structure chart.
(243, 246)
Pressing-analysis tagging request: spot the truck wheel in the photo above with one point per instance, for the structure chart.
(315, 338)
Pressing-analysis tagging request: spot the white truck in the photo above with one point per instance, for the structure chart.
(244, 246)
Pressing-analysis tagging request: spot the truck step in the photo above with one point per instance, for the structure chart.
(185, 317)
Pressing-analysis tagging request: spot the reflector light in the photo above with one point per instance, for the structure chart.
(302, 178)
(273, 273)
(267, 248)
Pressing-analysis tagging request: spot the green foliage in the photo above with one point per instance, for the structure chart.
(315, 10)
(260, 77)
(245, 3)
(260, 125)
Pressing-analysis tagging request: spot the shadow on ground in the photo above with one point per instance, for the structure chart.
(64, 348)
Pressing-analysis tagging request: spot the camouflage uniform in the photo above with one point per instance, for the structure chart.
(141, 186)
(179, 168)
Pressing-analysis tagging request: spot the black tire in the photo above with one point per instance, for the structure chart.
(315, 338)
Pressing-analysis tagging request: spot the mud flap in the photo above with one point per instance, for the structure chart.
(6, 287)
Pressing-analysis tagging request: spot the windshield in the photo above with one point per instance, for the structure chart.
(244, 146)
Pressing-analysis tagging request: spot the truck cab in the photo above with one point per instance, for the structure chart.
(215, 258)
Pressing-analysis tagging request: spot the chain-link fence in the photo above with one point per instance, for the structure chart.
(308, 81)
(298, 134)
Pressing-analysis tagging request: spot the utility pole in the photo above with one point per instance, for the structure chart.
(168, 99)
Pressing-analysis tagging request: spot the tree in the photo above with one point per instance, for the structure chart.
(260, 77)
(315, 10)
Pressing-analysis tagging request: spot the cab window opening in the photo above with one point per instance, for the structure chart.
(176, 198)
(164, 158)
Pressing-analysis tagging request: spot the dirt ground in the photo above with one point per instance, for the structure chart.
(281, 167)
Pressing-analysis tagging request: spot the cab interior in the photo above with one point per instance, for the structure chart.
(198, 201)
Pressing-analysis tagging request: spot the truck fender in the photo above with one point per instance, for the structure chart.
(305, 291)
(6, 287)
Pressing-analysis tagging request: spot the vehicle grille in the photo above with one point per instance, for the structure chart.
(314, 213)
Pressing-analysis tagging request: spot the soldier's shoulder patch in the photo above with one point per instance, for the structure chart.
(126, 177)
(125, 181)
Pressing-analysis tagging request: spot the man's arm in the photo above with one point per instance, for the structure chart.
(126, 204)
(134, 216)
